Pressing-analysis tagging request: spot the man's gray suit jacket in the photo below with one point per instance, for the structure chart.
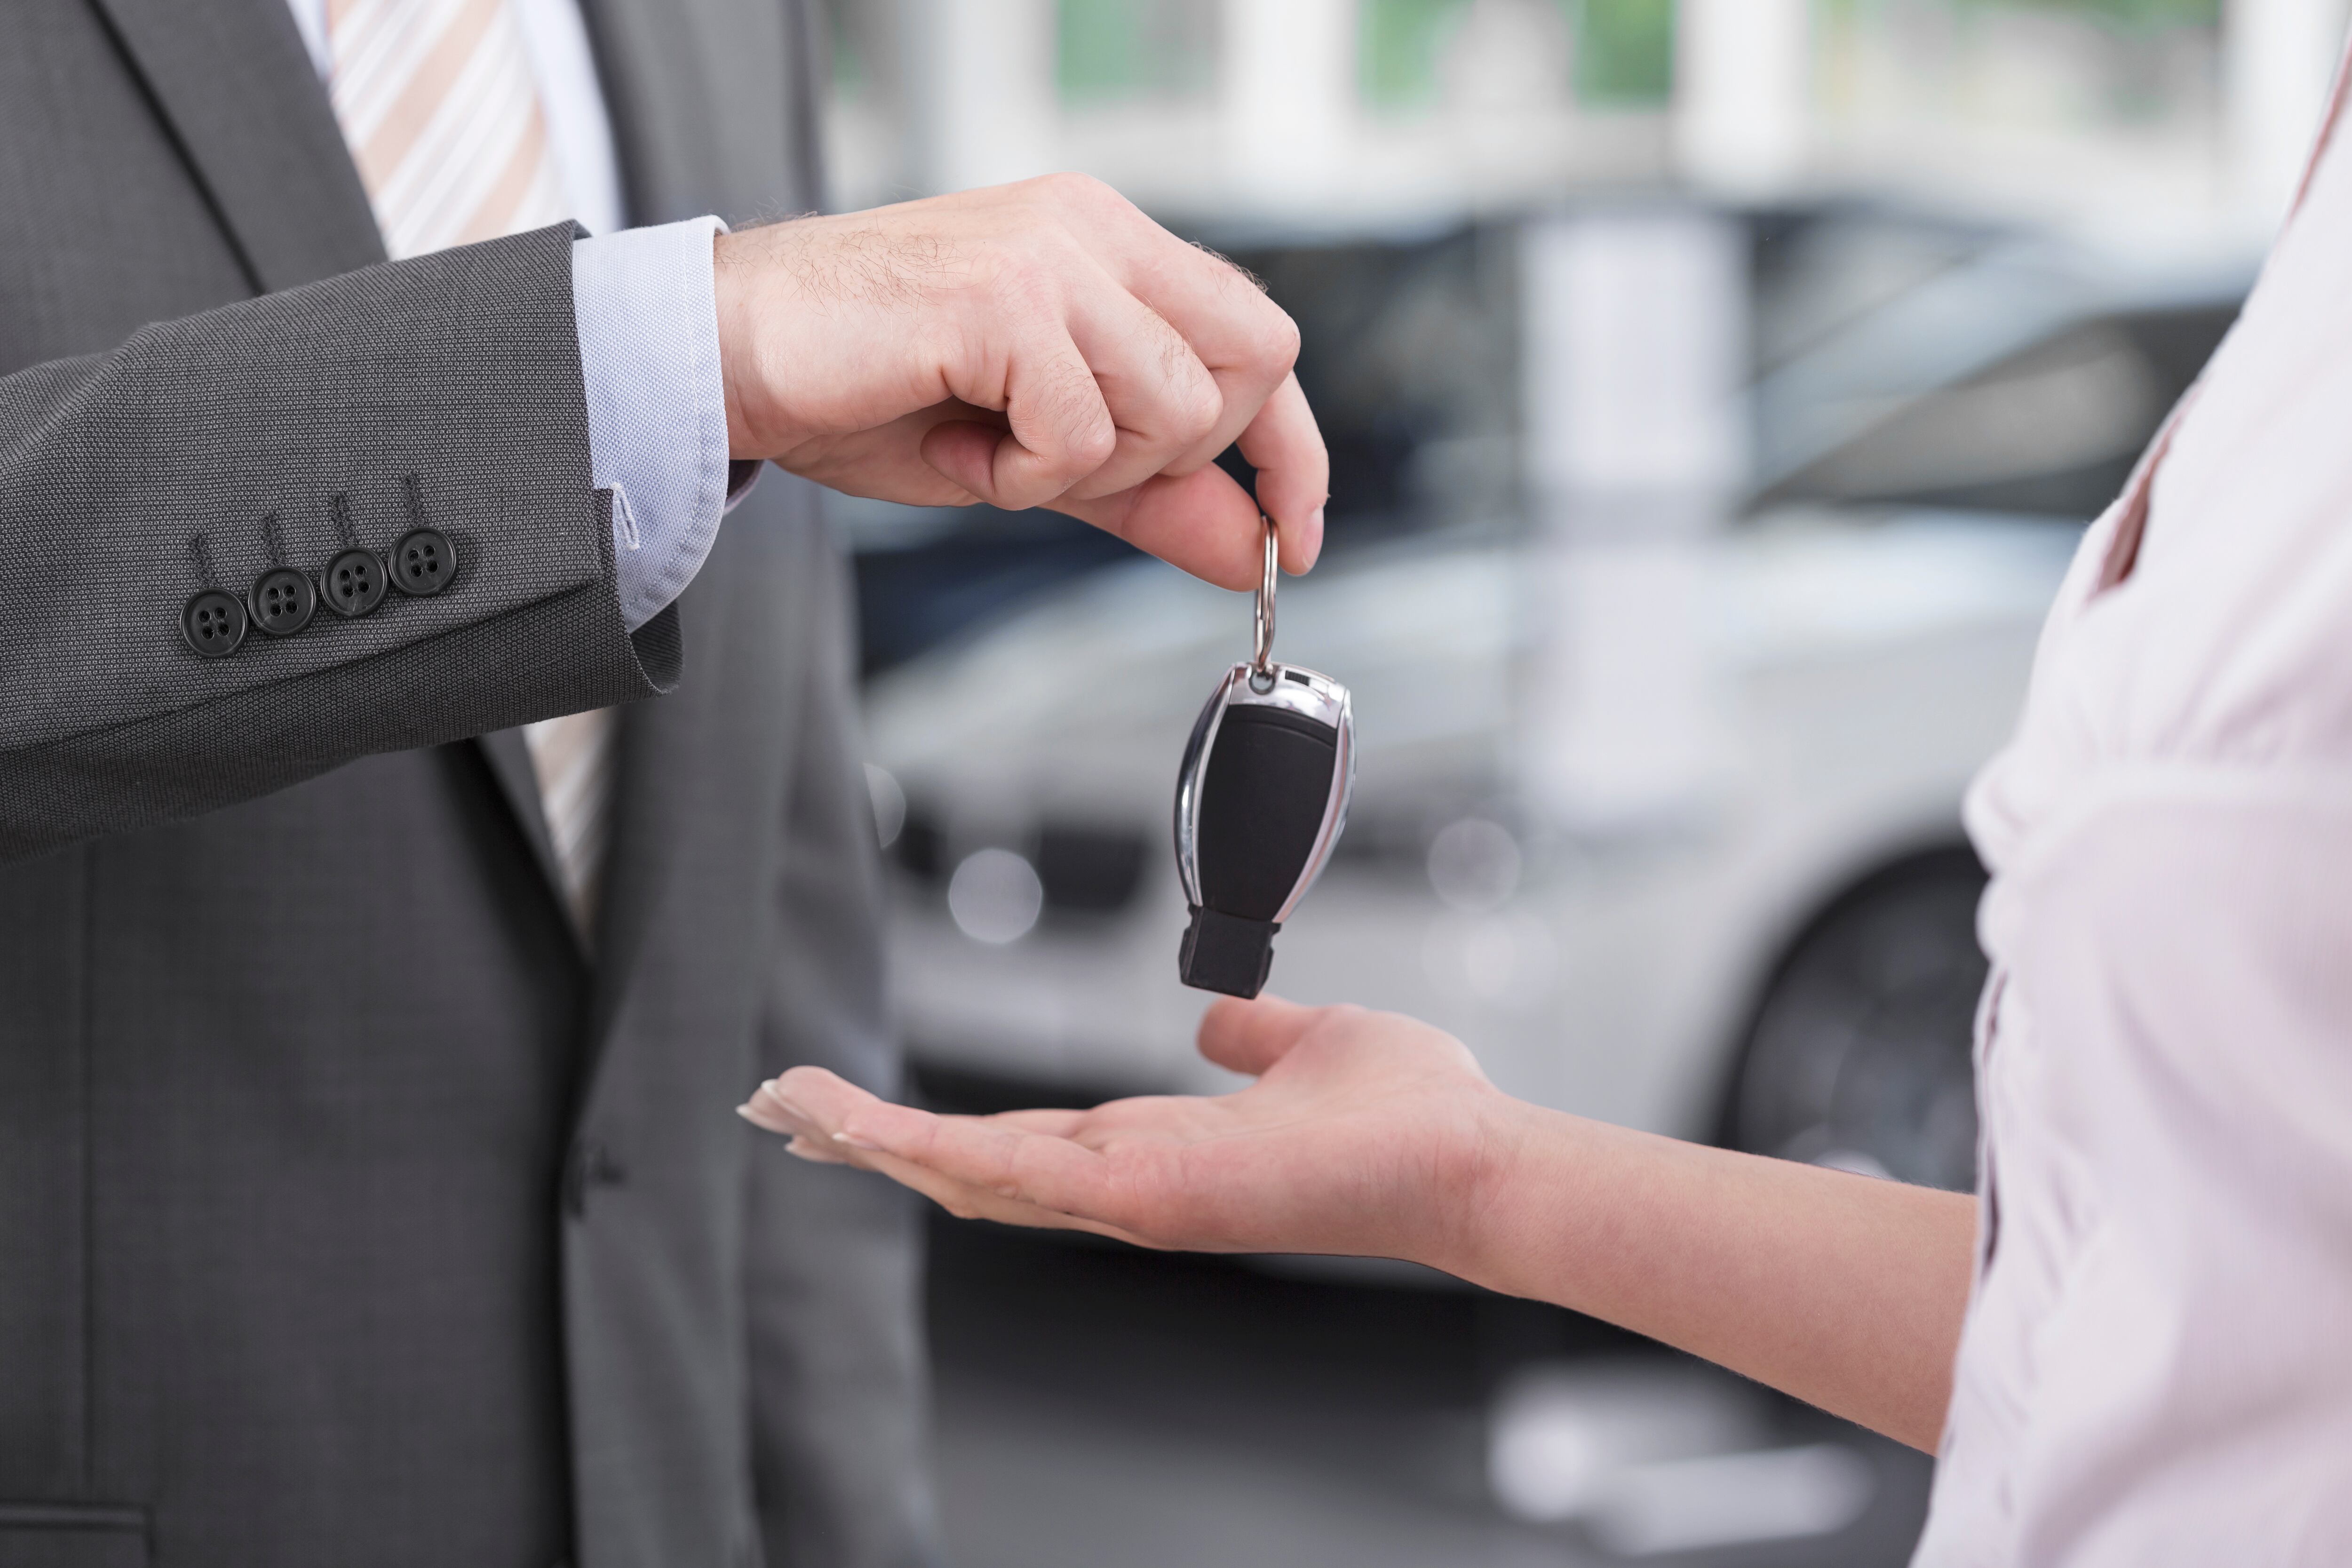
(351, 1212)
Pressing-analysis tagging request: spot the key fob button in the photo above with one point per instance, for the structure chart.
(1261, 807)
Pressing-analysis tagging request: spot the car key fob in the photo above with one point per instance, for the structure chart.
(1261, 799)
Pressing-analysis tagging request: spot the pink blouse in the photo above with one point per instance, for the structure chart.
(2156, 1367)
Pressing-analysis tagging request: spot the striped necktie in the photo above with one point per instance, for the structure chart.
(437, 104)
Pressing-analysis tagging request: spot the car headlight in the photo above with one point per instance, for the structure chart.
(995, 896)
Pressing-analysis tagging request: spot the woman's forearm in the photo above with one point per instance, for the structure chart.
(1843, 1290)
(1373, 1134)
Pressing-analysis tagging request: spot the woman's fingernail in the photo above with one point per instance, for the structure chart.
(790, 1108)
(855, 1141)
(1311, 545)
(814, 1153)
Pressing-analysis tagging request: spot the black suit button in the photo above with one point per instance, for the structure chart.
(354, 582)
(423, 562)
(283, 601)
(214, 623)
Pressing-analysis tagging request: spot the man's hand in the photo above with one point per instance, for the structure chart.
(1037, 344)
(1365, 1133)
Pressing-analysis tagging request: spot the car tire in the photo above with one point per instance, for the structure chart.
(1860, 1053)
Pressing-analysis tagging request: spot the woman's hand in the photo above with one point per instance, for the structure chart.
(1371, 1134)
(1365, 1133)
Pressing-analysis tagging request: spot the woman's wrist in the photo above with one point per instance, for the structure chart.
(1845, 1291)
(1559, 1201)
(1480, 1230)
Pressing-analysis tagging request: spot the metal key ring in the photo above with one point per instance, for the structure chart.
(1261, 677)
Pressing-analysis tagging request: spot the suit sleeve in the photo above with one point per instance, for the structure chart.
(833, 1257)
(442, 393)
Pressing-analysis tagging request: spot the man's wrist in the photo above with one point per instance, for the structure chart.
(733, 281)
(656, 431)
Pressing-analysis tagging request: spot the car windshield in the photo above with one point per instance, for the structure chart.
(2049, 429)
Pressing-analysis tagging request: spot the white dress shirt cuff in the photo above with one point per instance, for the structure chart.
(649, 323)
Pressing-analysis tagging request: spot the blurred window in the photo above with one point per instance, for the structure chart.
(1415, 54)
(1400, 46)
(1819, 271)
(856, 34)
(2130, 13)
(2069, 68)
(1110, 50)
(1408, 356)
(1624, 51)
(2052, 430)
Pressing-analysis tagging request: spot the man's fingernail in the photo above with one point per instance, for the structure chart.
(855, 1141)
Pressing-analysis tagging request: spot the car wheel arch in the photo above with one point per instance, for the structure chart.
(1947, 861)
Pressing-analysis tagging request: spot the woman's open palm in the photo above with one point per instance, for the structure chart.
(1361, 1134)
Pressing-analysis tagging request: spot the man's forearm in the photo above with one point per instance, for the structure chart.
(146, 493)
(1843, 1290)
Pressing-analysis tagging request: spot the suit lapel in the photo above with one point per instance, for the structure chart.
(237, 88)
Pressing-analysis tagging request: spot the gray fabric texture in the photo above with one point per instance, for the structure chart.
(147, 473)
(349, 1212)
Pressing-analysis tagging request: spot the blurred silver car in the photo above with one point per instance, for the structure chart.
(1780, 954)
(1860, 672)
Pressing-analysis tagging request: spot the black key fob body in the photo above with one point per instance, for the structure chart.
(1260, 801)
